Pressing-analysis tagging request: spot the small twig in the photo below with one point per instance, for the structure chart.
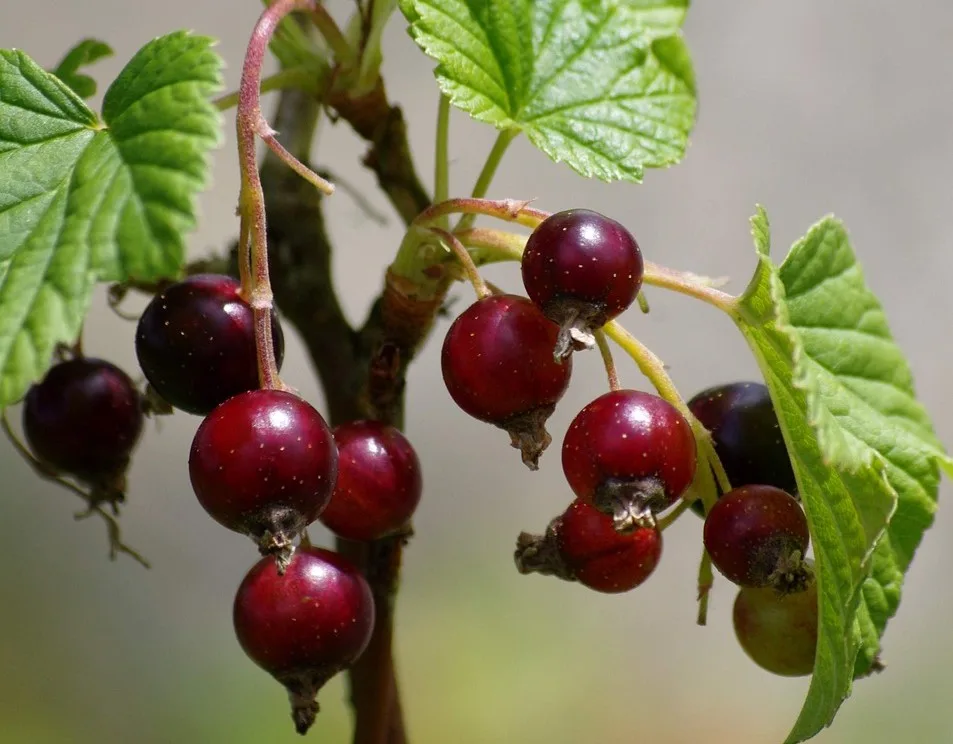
(473, 274)
(706, 581)
(249, 123)
(116, 545)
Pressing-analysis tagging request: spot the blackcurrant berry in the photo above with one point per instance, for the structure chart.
(778, 632)
(757, 536)
(583, 545)
(305, 626)
(264, 464)
(747, 436)
(196, 343)
(582, 269)
(378, 485)
(631, 454)
(498, 366)
(84, 419)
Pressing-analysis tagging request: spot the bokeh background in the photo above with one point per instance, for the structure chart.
(806, 107)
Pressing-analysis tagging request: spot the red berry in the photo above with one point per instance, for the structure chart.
(582, 269)
(601, 558)
(264, 463)
(757, 536)
(378, 485)
(629, 453)
(747, 436)
(498, 366)
(84, 418)
(778, 632)
(306, 625)
(196, 343)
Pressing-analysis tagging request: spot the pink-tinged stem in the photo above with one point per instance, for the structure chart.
(253, 248)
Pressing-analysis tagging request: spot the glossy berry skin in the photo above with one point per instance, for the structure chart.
(779, 633)
(746, 434)
(264, 464)
(498, 366)
(84, 418)
(757, 536)
(582, 268)
(601, 558)
(306, 625)
(378, 484)
(196, 343)
(631, 444)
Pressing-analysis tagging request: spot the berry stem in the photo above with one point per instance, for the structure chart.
(442, 156)
(607, 360)
(508, 210)
(649, 364)
(693, 285)
(482, 185)
(116, 545)
(643, 303)
(669, 519)
(251, 201)
(705, 582)
(473, 274)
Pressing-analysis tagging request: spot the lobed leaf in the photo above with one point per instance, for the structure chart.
(85, 200)
(604, 86)
(862, 447)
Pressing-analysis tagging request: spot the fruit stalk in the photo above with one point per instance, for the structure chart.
(252, 247)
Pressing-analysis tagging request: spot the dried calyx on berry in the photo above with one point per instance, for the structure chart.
(582, 269)
(264, 464)
(195, 342)
(757, 536)
(305, 625)
(631, 454)
(84, 419)
(583, 545)
(498, 366)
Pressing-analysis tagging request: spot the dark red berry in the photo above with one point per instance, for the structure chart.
(378, 485)
(747, 436)
(196, 343)
(306, 625)
(600, 557)
(778, 632)
(264, 464)
(757, 536)
(498, 366)
(631, 454)
(582, 269)
(84, 419)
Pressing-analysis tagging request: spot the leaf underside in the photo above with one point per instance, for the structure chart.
(863, 448)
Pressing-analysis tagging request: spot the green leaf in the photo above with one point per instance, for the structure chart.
(605, 86)
(85, 53)
(862, 447)
(85, 200)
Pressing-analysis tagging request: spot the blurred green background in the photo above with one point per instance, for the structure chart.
(806, 107)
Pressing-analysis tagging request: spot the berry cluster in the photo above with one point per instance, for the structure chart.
(263, 463)
(628, 455)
